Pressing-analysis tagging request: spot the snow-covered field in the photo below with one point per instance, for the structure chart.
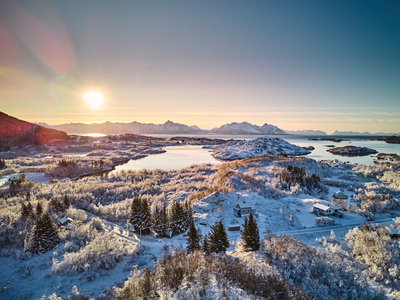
(100, 257)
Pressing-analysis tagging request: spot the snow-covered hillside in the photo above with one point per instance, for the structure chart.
(246, 128)
(257, 147)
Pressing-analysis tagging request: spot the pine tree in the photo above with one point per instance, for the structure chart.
(160, 221)
(193, 238)
(250, 234)
(39, 209)
(218, 238)
(44, 235)
(30, 208)
(25, 213)
(141, 216)
(206, 244)
(66, 202)
(177, 219)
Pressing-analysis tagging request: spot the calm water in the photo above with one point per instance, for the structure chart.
(175, 158)
(320, 151)
(183, 156)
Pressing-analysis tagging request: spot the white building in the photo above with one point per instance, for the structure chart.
(239, 211)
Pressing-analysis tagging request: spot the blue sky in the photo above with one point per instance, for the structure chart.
(296, 64)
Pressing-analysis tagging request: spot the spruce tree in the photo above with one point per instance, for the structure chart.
(141, 216)
(250, 234)
(218, 241)
(206, 244)
(30, 209)
(177, 219)
(160, 221)
(25, 213)
(193, 238)
(44, 235)
(39, 209)
(66, 202)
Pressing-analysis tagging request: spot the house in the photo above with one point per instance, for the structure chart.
(394, 233)
(340, 195)
(234, 227)
(320, 209)
(66, 222)
(13, 177)
(336, 211)
(239, 211)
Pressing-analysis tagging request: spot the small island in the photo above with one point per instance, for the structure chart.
(352, 151)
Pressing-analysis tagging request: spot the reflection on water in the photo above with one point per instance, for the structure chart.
(177, 157)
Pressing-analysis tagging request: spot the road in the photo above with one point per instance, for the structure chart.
(329, 228)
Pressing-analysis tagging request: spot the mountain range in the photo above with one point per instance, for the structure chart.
(168, 127)
(35, 131)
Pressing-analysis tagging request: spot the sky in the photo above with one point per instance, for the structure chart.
(320, 65)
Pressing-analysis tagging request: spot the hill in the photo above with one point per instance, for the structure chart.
(16, 132)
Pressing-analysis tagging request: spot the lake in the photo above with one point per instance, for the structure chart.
(320, 149)
(183, 156)
(177, 157)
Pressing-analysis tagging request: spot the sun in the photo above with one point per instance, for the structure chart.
(94, 99)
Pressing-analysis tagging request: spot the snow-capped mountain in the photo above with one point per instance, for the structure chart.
(245, 128)
(133, 127)
(257, 147)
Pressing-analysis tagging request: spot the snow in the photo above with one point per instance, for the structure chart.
(33, 278)
(257, 147)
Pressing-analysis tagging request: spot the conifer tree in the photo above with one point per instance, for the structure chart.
(141, 216)
(177, 219)
(206, 244)
(218, 238)
(30, 209)
(160, 220)
(25, 213)
(44, 235)
(66, 202)
(193, 238)
(250, 234)
(39, 209)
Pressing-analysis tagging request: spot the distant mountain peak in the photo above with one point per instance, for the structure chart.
(246, 128)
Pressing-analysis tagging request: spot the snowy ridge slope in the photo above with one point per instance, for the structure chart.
(257, 147)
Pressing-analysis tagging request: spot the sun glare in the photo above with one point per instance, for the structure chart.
(94, 99)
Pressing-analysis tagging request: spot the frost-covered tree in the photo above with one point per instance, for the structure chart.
(250, 234)
(218, 238)
(180, 217)
(193, 238)
(160, 221)
(377, 251)
(141, 216)
(177, 216)
(44, 235)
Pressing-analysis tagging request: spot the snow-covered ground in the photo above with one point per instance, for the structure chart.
(257, 147)
(253, 184)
